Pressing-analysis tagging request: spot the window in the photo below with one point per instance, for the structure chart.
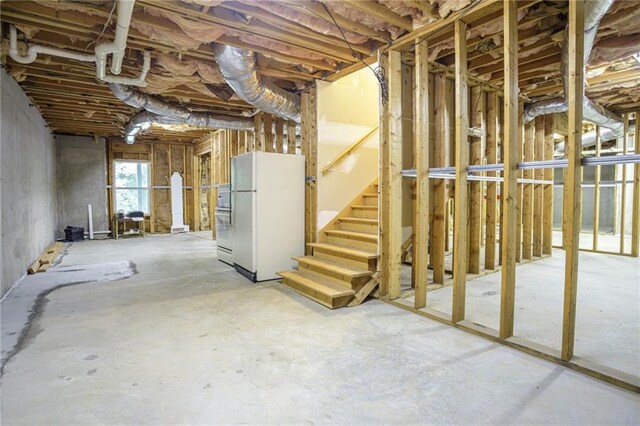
(132, 186)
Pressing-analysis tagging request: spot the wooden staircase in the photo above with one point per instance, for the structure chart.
(341, 270)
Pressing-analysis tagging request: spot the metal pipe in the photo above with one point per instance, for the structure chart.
(238, 67)
(594, 12)
(589, 138)
(143, 121)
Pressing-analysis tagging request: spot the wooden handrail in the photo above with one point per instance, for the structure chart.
(347, 152)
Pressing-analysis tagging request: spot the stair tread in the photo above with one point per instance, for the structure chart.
(345, 250)
(369, 195)
(364, 207)
(355, 235)
(359, 220)
(318, 283)
(333, 266)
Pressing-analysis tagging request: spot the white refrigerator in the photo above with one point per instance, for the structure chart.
(267, 218)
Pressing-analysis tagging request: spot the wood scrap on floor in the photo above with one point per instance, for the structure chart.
(47, 258)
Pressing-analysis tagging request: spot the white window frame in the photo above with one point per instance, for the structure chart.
(116, 188)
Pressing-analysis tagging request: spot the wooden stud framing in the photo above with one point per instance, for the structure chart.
(635, 210)
(280, 135)
(596, 194)
(538, 189)
(623, 186)
(421, 155)
(291, 137)
(492, 187)
(520, 142)
(547, 213)
(460, 229)
(510, 160)
(442, 142)
(309, 149)
(572, 184)
(476, 187)
(391, 252)
(268, 133)
(383, 188)
(257, 131)
(527, 194)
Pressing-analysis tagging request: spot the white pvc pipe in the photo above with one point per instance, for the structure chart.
(119, 44)
(133, 81)
(90, 213)
(117, 47)
(32, 52)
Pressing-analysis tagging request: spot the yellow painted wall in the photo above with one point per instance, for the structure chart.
(347, 110)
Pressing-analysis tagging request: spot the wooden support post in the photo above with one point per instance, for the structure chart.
(500, 159)
(197, 179)
(635, 209)
(442, 142)
(291, 137)
(476, 187)
(623, 187)
(520, 142)
(527, 194)
(309, 149)
(596, 194)
(391, 226)
(268, 133)
(572, 184)
(234, 142)
(547, 213)
(461, 213)
(257, 131)
(510, 160)
(421, 155)
(383, 189)
(279, 135)
(538, 189)
(492, 187)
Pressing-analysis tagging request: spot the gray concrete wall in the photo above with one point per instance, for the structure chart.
(82, 179)
(27, 183)
(609, 207)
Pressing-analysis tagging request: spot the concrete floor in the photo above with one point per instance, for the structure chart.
(608, 304)
(187, 340)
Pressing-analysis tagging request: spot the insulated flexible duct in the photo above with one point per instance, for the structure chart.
(594, 12)
(143, 120)
(157, 111)
(589, 138)
(238, 67)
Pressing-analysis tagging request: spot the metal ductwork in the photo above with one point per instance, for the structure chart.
(238, 67)
(160, 112)
(594, 12)
(589, 138)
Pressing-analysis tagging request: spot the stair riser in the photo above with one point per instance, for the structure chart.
(352, 243)
(352, 283)
(337, 257)
(365, 213)
(358, 227)
(323, 299)
(370, 201)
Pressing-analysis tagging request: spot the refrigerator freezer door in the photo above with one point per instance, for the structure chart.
(243, 177)
(243, 237)
(280, 220)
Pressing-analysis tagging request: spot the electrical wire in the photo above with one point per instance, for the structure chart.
(105, 25)
(378, 72)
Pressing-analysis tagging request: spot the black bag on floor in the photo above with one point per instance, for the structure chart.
(73, 233)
